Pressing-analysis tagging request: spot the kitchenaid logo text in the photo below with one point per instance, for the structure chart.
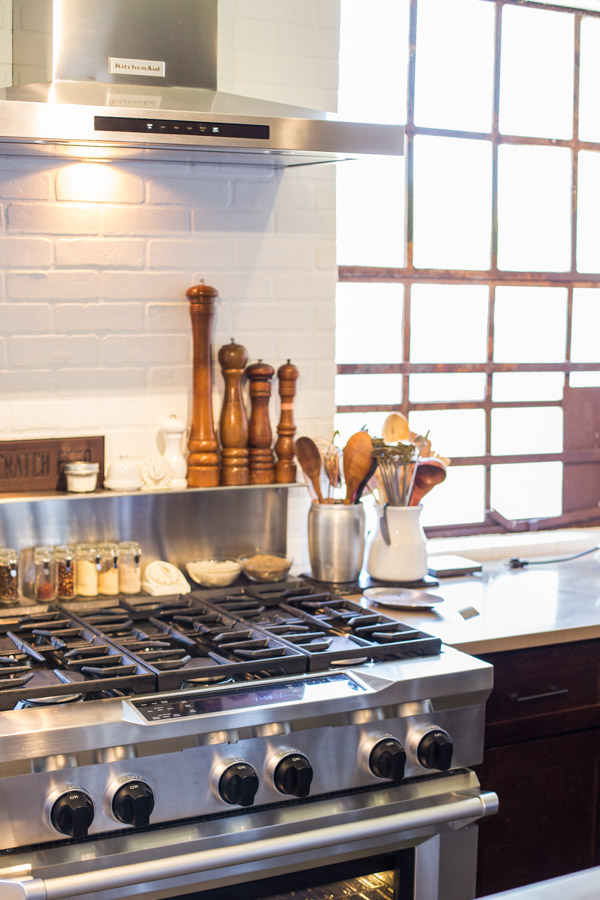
(119, 66)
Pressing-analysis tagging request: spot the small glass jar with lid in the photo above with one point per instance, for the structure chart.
(45, 574)
(86, 570)
(9, 576)
(130, 572)
(108, 571)
(65, 572)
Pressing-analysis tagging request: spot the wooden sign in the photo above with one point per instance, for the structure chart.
(37, 465)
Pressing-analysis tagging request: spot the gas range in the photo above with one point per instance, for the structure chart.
(120, 716)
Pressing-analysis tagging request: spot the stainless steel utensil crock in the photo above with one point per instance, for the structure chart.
(336, 541)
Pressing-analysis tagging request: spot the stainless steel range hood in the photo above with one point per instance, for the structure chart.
(137, 79)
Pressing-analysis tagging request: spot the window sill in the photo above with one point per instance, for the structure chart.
(484, 547)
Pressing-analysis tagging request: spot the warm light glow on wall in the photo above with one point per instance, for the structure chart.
(93, 181)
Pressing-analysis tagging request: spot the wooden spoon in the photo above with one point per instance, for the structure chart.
(309, 458)
(395, 428)
(429, 472)
(356, 462)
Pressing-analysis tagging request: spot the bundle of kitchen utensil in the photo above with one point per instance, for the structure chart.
(407, 468)
(398, 469)
(333, 474)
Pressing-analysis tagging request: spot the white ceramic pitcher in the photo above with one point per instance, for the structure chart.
(397, 547)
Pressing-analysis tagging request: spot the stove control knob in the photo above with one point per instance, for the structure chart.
(388, 759)
(435, 750)
(238, 784)
(72, 814)
(133, 804)
(293, 775)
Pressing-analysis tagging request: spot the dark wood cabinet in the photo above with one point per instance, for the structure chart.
(542, 758)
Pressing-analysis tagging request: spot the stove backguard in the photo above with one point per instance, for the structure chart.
(177, 526)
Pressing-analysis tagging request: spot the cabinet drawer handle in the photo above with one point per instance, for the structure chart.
(553, 692)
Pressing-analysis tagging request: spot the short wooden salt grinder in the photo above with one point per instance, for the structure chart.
(234, 422)
(203, 459)
(260, 436)
(285, 467)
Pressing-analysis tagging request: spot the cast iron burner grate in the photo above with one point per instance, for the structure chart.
(329, 629)
(45, 655)
(187, 642)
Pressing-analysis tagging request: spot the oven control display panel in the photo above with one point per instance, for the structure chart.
(176, 706)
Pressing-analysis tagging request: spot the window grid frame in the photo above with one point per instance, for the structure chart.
(492, 277)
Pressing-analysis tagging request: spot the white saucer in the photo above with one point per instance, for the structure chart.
(402, 598)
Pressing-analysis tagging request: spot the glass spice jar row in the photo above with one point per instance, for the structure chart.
(81, 570)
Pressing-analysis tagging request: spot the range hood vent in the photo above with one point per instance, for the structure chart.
(137, 79)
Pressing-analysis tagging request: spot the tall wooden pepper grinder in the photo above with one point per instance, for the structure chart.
(285, 467)
(203, 459)
(260, 436)
(234, 422)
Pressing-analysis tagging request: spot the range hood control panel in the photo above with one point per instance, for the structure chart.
(182, 127)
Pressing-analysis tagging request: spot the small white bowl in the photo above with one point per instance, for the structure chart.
(214, 571)
(123, 475)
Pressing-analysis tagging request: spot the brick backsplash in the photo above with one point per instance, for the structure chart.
(95, 336)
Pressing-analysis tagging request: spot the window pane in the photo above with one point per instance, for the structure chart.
(348, 423)
(368, 323)
(588, 211)
(448, 323)
(457, 39)
(534, 208)
(453, 432)
(458, 499)
(585, 343)
(536, 74)
(351, 390)
(527, 430)
(530, 324)
(452, 209)
(584, 379)
(446, 388)
(374, 92)
(589, 80)
(370, 232)
(508, 386)
(527, 490)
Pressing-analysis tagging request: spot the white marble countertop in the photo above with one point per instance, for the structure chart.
(584, 885)
(506, 609)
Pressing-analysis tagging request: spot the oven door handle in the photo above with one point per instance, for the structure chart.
(466, 807)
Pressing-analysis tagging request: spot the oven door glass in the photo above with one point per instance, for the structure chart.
(385, 877)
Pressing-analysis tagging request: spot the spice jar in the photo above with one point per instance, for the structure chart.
(108, 571)
(45, 574)
(86, 570)
(65, 572)
(9, 576)
(82, 477)
(130, 575)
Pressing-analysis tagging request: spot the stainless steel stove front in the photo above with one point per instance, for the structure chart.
(429, 821)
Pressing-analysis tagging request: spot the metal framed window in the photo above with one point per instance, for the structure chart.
(526, 353)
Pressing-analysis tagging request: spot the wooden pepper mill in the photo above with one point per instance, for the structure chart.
(203, 459)
(260, 436)
(285, 467)
(234, 423)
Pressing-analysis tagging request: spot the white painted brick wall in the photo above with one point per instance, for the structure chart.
(95, 260)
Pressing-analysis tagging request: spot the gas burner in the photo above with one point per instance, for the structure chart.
(37, 702)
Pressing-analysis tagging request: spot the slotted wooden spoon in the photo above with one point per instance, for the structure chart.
(309, 458)
(356, 462)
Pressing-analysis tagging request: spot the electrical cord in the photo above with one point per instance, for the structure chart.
(516, 563)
